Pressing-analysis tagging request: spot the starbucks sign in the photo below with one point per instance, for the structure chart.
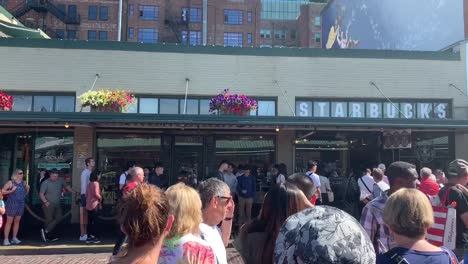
(406, 109)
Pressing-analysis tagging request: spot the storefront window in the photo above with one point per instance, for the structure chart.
(22, 103)
(169, 106)
(43, 103)
(256, 151)
(64, 104)
(148, 105)
(191, 108)
(205, 107)
(114, 152)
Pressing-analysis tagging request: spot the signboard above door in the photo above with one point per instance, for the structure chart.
(371, 108)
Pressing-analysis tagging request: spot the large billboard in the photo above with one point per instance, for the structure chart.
(392, 24)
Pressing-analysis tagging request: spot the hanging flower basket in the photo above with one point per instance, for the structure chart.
(107, 100)
(6, 102)
(226, 103)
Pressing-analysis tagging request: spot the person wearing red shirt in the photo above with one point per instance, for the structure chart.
(137, 177)
(428, 186)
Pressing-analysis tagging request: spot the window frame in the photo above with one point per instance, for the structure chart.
(228, 13)
(95, 35)
(95, 17)
(131, 32)
(106, 17)
(141, 10)
(227, 34)
(54, 95)
(106, 33)
(155, 31)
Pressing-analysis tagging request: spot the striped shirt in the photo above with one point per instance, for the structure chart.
(372, 221)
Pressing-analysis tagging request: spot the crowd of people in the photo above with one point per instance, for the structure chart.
(297, 222)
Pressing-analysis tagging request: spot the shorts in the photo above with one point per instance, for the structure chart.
(82, 200)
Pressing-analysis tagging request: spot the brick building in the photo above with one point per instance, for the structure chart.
(222, 22)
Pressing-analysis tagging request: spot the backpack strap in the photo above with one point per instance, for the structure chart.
(365, 185)
(453, 259)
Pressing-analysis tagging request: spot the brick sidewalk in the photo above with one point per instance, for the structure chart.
(101, 258)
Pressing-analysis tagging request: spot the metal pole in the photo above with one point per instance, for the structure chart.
(186, 93)
(119, 33)
(205, 21)
(95, 80)
(286, 98)
(388, 99)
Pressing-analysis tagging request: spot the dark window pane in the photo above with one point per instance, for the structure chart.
(195, 15)
(249, 17)
(43, 103)
(149, 105)
(92, 13)
(103, 13)
(149, 12)
(168, 106)
(131, 33)
(92, 35)
(64, 104)
(22, 103)
(60, 33)
(102, 35)
(130, 10)
(147, 35)
(71, 34)
(233, 17)
(192, 106)
(71, 11)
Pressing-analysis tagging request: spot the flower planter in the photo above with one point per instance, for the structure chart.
(227, 112)
(106, 108)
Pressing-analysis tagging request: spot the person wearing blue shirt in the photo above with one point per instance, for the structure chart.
(246, 187)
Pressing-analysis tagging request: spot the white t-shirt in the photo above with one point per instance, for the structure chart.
(85, 180)
(123, 178)
(369, 182)
(280, 179)
(315, 178)
(212, 235)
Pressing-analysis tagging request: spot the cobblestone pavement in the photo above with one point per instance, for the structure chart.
(101, 258)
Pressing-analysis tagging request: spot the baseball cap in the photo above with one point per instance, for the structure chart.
(323, 234)
(458, 168)
(381, 166)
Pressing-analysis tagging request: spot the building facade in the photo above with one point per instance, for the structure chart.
(314, 104)
(246, 23)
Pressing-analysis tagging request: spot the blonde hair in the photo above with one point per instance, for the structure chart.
(408, 212)
(185, 205)
(14, 176)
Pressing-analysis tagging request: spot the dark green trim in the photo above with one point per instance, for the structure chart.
(281, 121)
(219, 50)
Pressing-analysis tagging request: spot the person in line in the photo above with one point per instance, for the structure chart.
(222, 168)
(455, 191)
(50, 194)
(380, 187)
(383, 168)
(230, 179)
(90, 164)
(246, 190)
(401, 175)
(323, 235)
(217, 207)
(366, 183)
(144, 218)
(429, 186)
(408, 214)
(16, 189)
(312, 169)
(2, 210)
(157, 178)
(324, 189)
(93, 205)
(136, 177)
(125, 175)
(256, 241)
(147, 172)
(280, 172)
(304, 183)
(183, 243)
(441, 180)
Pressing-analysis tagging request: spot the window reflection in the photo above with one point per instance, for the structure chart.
(192, 106)
(169, 106)
(43, 103)
(64, 104)
(148, 105)
(22, 103)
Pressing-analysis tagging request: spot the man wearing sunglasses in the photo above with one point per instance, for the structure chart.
(217, 208)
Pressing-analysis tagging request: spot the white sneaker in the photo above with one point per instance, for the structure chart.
(6, 242)
(84, 237)
(15, 241)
